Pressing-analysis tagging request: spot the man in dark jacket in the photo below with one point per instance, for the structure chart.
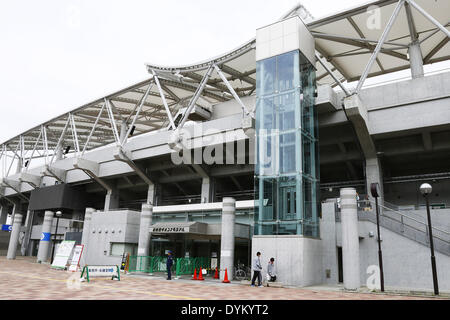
(169, 264)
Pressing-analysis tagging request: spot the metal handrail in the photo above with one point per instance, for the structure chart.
(415, 220)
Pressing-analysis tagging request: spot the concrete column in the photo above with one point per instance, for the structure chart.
(144, 234)
(328, 242)
(374, 174)
(151, 194)
(350, 239)
(112, 199)
(416, 60)
(46, 235)
(86, 234)
(16, 208)
(227, 237)
(14, 238)
(28, 226)
(206, 190)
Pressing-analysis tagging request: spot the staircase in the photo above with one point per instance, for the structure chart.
(404, 225)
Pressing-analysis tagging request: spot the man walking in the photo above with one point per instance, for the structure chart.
(169, 264)
(257, 268)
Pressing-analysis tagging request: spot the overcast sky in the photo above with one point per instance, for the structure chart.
(57, 55)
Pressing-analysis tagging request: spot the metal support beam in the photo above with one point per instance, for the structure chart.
(112, 121)
(233, 93)
(383, 38)
(93, 130)
(197, 94)
(137, 114)
(331, 73)
(92, 169)
(33, 180)
(56, 173)
(74, 134)
(125, 156)
(169, 114)
(60, 140)
(16, 186)
(429, 17)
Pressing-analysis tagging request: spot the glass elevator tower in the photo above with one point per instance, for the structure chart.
(287, 164)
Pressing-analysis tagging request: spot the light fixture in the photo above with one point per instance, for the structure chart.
(426, 189)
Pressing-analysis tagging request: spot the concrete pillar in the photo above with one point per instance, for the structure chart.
(374, 174)
(112, 199)
(14, 238)
(416, 60)
(328, 242)
(206, 190)
(27, 236)
(44, 244)
(144, 235)
(16, 208)
(151, 194)
(350, 239)
(86, 234)
(227, 237)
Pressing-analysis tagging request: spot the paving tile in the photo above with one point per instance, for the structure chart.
(23, 279)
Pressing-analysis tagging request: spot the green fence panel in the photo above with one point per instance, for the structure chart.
(183, 266)
(188, 265)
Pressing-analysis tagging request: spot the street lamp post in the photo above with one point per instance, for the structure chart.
(426, 189)
(375, 191)
(58, 215)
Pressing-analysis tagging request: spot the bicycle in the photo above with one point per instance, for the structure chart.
(240, 272)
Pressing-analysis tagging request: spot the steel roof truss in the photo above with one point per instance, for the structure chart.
(230, 88)
(137, 114)
(375, 53)
(163, 98)
(92, 131)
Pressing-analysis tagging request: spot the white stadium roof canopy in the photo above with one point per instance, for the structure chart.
(345, 40)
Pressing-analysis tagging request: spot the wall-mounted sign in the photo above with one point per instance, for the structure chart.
(45, 236)
(170, 230)
(6, 227)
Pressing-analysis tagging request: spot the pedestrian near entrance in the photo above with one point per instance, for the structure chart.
(257, 268)
(169, 265)
(271, 275)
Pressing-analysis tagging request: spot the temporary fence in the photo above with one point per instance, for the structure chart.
(183, 266)
(188, 265)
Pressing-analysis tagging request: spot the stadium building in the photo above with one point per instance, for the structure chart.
(270, 147)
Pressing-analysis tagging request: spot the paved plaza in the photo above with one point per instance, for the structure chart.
(24, 279)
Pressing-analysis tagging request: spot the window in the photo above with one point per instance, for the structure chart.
(118, 249)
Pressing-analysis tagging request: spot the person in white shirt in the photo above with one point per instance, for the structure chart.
(257, 268)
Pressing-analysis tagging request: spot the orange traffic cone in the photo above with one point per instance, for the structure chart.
(195, 274)
(226, 277)
(200, 275)
(216, 275)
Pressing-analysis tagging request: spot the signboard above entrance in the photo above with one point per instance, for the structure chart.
(187, 227)
(170, 230)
